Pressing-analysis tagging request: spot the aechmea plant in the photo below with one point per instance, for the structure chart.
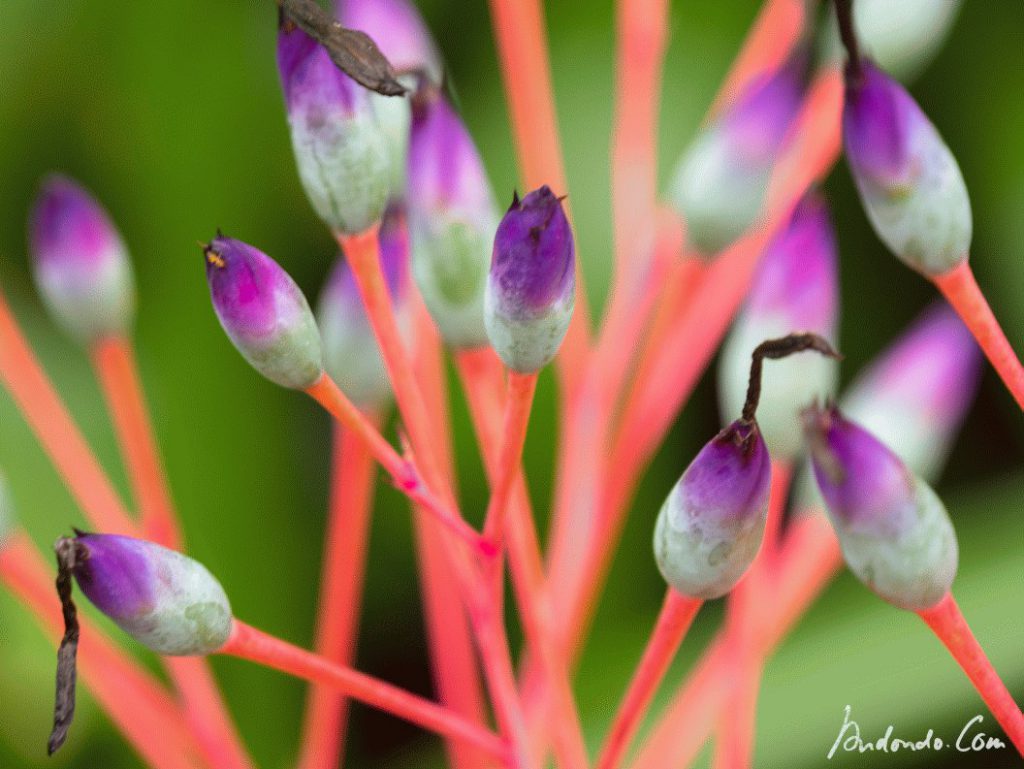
(720, 182)
(264, 313)
(80, 263)
(710, 527)
(351, 354)
(345, 161)
(895, 532)
(794, 289)
(402, 36)
(452, 220)
(531, 286)
(6, 509)
(908, 180)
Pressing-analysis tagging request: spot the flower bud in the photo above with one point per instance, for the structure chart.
(341, 153)
(908, 180)
(399, 31)
(531, 286)
(710, 528)
(901, 37)
(264, 313)
(6, 510)
(721, 180)
(351, 354)
(163, 599)
(452, 220)
(81, 265)
(794, 289)
(915, 397)
(894, 531)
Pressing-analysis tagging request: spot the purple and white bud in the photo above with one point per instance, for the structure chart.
(163, 599)
(532, 282)
(351, 354)
(721, 180)
(908, 180)
(795, 289)
(894, 531)
(80, 263)
(402, 36)
(902, 38)
(452, 220)
(264, 313)
(710, 528)
(343, 157)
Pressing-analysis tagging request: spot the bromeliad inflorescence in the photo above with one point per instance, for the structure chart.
(428, 265)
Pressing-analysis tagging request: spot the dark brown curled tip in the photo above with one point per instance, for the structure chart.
(68, 552)
(353, 52)
(775, 349)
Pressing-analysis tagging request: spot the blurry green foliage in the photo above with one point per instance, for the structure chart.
(170, 112)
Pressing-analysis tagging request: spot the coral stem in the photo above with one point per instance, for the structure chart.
(342, 571)
(674, 620)
(948, 623)
(248, 643)
(55, 429)
(113, 359)
(962, 292)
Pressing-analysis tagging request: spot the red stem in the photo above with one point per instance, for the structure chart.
(246, 642)
(362, 251)
(403, 472)
(962, 292)
(57, 432)
(341, 583)
(137, 704)
(674, 620)
(948, 623)
(113, 360)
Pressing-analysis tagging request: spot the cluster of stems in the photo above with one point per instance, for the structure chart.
(619, 388)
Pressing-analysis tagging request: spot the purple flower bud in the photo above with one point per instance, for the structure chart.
(916, 395)
(710, 528)
(795, 289)
(531, 286)
(341, 153)
(351, 354)
(398, 30)
(452, 220)
(895, 533)
(81, 265)
(264, 313)
(908, 180)
(165, 600)
(722, 177)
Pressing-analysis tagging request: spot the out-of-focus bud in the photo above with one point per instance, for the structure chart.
(402, 36)
(452, 220)
(710, 528)
(794, 289)
(163, 599)
(351, 354)
(342, 155)
(81, 265)
(6, 510)
(914, 398)
(894, 531)
(532, 282)
(721, 180)
(908, 180)
(264, 313)
(901, 37)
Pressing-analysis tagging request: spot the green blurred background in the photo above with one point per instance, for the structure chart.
(170, 112)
